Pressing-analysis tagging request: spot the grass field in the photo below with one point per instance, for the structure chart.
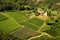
(36, 21)
(15, 19)
(8, 25)
(29, 25)
(33, 23)
(21, 16)
(25, 33)
(17, 16)
(2, 17)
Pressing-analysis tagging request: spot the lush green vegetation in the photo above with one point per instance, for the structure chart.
(18, 12)
(17, 5)
(18, 16)
(36, 21)
(55, 30)
(8, 25)
(4, 36)
(29, 25)
(24, 33)
(33, 23)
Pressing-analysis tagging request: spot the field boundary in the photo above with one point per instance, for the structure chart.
(42, 34)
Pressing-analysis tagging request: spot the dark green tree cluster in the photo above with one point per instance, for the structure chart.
(17, 5)
(54, 30)
(4, 36)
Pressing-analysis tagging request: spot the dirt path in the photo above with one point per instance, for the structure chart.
(42, 33)
(42, 17)
(40, 36)
(33, 24)
(41, 27)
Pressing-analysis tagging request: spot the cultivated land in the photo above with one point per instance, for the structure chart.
(18, 16)
(9, 24)
(31, 29)
(29, 19)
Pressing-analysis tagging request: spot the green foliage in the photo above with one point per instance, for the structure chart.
(4, 36)
(54, 31)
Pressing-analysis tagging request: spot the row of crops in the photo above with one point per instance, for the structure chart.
(18, 16)
(34, 23)
(24, 33)
(30, 26)
(11, 26)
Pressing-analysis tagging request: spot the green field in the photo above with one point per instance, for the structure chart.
(2, 17)
(24, 33)
(15, 19)
(33, 23)
(8, 25)
(29, 19)
(36, 21)
(17, 16)
(29, 25)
